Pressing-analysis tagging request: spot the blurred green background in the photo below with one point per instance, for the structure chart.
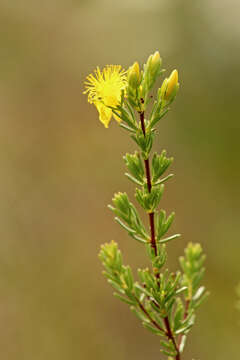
(60, 168)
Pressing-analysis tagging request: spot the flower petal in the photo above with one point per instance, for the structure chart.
(105, 113)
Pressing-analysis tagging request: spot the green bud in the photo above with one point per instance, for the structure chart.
(151, 71)
(156, 62)
(153, 65)
(134, 75)
(134, 78)
(162, 90)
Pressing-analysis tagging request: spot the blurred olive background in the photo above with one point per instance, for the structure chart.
(60, 168)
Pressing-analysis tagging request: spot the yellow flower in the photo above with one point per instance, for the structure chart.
(104, 89)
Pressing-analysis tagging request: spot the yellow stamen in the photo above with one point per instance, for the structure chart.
(104, 90)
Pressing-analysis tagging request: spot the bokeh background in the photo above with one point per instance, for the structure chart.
(60, 168)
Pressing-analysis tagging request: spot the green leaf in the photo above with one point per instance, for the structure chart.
(168, 353)
(128, 276)
(116, 286)
(135, 166)
(124, 126)
(123, 114)
(178, 315)
(138, 238)
(139, 314)
(133, 179)
(158, 117)
(182, 289)
(128, 229)
(163, 241)
(127, 212)
(143, 290)
(182, 343)
(201, 300)
(198, 293)
(168, 345)
(160, 163)
(131, 111)
(163, 224)
(163, 180)
(149, 201)
(152, 328)
(123, 299)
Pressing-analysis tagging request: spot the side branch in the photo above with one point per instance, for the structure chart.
(150, 318)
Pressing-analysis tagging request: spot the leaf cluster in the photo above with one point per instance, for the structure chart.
(128, 217)
(157, 296)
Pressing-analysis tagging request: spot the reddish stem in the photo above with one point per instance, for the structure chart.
(154, 246)
(149, 185)
(171, 337)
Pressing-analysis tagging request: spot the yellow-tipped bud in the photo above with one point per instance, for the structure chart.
(134, 76)
(152, 70)
(172, 84)
(136, 69)
(156, 59)
(154, 63)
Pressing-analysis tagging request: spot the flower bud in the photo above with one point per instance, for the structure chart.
(153, 65)
(172, 85)
(162, 90)
(134, 76)
(152, 70)
(156, 59)
(136, 69)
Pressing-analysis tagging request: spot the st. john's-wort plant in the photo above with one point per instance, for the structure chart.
(164, 302)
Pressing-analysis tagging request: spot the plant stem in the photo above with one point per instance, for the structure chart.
(150, 318)
(149, 185)
(171, 336)
(168, 331)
